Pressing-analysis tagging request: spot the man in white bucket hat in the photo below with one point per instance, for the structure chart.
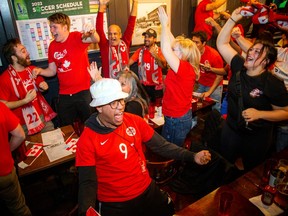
(110, 159)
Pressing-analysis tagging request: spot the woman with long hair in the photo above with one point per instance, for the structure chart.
(138, 100)
(183, 57)
(256, 99)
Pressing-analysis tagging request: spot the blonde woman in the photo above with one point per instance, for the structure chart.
(183, 57)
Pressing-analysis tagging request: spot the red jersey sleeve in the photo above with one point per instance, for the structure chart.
(135, 55)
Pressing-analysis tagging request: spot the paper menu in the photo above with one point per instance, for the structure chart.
(52, 137)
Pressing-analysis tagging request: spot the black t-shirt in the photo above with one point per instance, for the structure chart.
(259, 92)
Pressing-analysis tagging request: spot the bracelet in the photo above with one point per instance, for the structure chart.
(232, 20)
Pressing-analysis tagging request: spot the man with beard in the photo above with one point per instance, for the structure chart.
(22, 93)
(150, 63)
(115, 50)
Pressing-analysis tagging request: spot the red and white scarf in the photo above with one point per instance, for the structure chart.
(31, 115)
(118, 59)
(148, 69)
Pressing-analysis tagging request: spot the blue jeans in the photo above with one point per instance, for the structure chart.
(175, 130)
(216, 95)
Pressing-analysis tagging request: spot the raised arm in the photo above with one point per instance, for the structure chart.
(210, 21)
(223, 39)
(243, 42)
(89, 34)
(214, 5)
(103, 5)
(166, 43)
(134, 8)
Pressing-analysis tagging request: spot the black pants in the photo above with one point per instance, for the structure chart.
(75, 106)
(152, 202)
(253, 147)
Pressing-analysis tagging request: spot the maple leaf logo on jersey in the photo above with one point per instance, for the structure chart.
(66, 64)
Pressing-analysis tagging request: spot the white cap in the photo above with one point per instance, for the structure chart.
(105, 91)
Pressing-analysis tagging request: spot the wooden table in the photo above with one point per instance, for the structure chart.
(203, 106)
(209, 204)
(42, 162)
(245, 187)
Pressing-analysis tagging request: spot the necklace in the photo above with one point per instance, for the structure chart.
(100, 122)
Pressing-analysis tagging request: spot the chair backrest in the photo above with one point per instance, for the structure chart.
(162, 170)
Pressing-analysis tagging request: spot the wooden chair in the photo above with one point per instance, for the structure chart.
(162, 170)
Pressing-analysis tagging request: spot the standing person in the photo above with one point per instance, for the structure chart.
(22, 93)
(280, 70)
(68, 58)
(264, 98)
(10, 189)
(210, 83)
(115, 51)
(183, 57)
(150, 63)
(204, 10)
(110, 159)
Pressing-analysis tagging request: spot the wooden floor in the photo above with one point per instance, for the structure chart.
(50, 194)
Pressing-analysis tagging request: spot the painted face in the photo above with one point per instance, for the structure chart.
(59, 32)
(198, 43)
(114, 35)
(149, 41)
(23, 56)
(110, 117)
(126, 87)
(254, 58)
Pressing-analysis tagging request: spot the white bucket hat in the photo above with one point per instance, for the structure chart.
(105, 91)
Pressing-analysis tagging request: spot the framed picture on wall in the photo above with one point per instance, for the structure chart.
(147, 17)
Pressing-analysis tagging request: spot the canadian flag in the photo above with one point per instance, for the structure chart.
(35, 150)
(92, 212)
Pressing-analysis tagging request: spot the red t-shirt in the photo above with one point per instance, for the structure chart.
(7, 91)
(8, 122)
(118, 157)
(178, 90)
(104, 42)
(200, 15)
(71, 60)
(152, 76)
(213, 57)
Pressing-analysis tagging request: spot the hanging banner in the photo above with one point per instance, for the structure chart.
(30, 9)
(33, 26)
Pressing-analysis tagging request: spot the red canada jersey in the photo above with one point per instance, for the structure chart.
(200, 15)
(119, 159)
(212, 57)
(71, 60)
(7, 90)
(8, 122)
(178, 90)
